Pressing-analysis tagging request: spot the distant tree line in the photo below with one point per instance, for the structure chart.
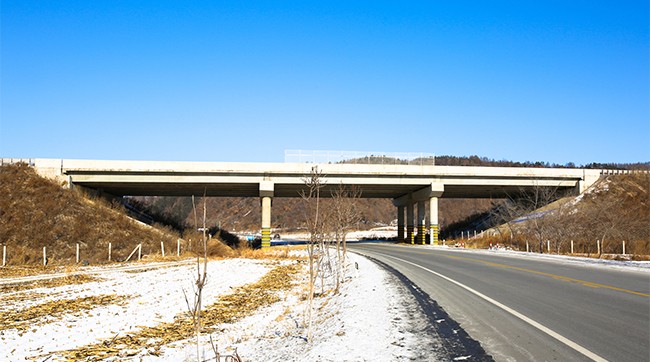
(484, 161)
(446, 160)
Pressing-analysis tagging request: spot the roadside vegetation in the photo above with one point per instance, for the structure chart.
(37, 213)
(612, 215)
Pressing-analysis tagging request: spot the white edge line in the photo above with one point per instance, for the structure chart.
(533, 323)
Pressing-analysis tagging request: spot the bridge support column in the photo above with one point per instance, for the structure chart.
(266, 193)
(400, 224)
(433, 220)
(422, 227)
(410, 237)
(266, 222)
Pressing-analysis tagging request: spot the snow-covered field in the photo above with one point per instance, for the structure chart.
(373, 318)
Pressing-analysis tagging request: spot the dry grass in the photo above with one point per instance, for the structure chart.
(229, 308)
(31, 317)
(616, 209)
(15, 298)
(37, 213)
(49, 283)
(270, 253)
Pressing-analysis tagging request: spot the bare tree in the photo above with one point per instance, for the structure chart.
(315, 226)
(344, 215)
(195, 306)
(524, 213)
(507, 213)
(618, 212)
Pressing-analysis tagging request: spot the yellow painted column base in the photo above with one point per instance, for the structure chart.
(422, 234)
(266, 237)
(434, 235)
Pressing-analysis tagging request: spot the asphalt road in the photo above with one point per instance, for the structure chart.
(525, 309)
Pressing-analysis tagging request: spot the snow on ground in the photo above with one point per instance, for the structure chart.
(624, 264)
(154, 296)
(373, 318)
(376, 233)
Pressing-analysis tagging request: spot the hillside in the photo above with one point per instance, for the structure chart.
(36, 212)
(615, 209)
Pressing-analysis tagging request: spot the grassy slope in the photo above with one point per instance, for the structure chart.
(36, 212)
(614, 209)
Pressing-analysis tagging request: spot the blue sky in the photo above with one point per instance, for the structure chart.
(554, 81)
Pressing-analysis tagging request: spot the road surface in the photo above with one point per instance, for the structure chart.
(527, 309)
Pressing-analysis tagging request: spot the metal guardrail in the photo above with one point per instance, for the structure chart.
(359, 157)
(623, 172)
(11, 161)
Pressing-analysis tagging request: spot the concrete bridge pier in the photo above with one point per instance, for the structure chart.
(410, 225)
(400, 224)
(433, 220)
(422, 227)
(266, 194)
(430, 193)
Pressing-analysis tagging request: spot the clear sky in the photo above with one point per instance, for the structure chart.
(554, 81)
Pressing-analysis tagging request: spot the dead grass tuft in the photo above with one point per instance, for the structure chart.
(275, 253)
(229, 308)
(42, 313)
(50, 283)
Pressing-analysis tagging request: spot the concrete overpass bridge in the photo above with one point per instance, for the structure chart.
(407, 185)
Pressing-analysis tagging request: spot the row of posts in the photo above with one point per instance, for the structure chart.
(468, 234)
(548, 247)
(548, 242)
(137, 249)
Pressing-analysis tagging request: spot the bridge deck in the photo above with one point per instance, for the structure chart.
(243, 179)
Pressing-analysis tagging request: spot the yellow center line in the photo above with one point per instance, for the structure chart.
(554, 276)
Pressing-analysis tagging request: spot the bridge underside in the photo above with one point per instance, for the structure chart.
(283, 190)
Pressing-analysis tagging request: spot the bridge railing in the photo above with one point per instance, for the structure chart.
(10, 161)
(359, 157)
(623, 172)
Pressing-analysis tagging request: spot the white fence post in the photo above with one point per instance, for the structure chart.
(109, 251)
(4, 255)
(598, 245)
(527, 247)
(178, 247)
(548, 246)
(571, 246)
(44, 256)
(139, 251)
(162, 249)
(77, 253)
